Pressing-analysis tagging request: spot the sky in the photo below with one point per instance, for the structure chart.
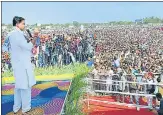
(67, 12)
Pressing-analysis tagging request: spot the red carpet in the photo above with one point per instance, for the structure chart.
(122, 112)
(100, 108)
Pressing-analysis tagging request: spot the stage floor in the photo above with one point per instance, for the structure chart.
(47, 98)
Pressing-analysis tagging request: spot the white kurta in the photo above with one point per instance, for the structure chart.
(21, 60)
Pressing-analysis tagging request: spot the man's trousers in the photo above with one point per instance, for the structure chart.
(22, 98)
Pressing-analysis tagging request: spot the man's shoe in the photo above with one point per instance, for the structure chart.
(138, 108)
(28, 112)
(150, 109)
(16, 112)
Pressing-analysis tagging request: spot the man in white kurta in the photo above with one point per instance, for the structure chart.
(22, 68)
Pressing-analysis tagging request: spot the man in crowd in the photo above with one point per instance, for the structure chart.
(159, 107)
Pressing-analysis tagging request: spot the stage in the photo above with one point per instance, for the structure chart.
(47, 97)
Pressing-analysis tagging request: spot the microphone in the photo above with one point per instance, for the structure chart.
(28, 35)
(28, 31)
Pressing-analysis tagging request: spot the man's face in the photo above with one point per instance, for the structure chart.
(89, 58)
(21, 25)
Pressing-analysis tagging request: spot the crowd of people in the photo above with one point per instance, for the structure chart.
(129, 54)
(57, 48)
(124, 53)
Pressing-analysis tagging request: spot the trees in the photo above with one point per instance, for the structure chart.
(67, 24)
(152, 20)
(76, 24)
(146, 20)
(120, 22)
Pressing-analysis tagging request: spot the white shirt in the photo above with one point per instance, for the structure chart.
(117, 62)
(109, 77)
(43, 48)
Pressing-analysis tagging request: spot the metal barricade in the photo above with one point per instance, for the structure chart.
(115, 90)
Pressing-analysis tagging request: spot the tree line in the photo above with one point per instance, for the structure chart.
(147, 20)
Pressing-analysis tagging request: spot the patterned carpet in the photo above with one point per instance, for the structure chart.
(47, 98)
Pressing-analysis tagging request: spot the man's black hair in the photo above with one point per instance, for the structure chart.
(158, 96)
(17, 20)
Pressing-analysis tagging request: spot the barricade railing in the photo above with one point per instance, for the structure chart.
(115, 84)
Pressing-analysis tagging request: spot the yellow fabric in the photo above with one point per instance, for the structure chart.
(6, 80)
(8, 92)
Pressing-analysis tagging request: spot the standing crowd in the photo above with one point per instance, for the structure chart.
(132, 55)
(123, 53)
(57, 48)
